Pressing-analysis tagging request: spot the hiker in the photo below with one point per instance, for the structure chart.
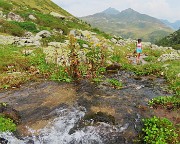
(138, 50)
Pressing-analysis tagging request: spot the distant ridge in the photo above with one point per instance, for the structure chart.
(129, 24)
(175, 25)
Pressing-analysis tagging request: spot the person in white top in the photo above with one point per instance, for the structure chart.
(138, 50)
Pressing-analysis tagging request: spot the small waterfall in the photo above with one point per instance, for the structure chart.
(57, 132)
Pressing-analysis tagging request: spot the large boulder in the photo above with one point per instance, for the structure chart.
(43, 34)
(14, 17)
(57, 44)
(32, 17)
(113, 67)
(57, 15)
(28, 34)
(27, 41)
(171, 56)
(6, 40)
(57, 31)
(75, 33)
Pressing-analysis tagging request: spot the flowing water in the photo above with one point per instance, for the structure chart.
(53, 113)
(57, 132)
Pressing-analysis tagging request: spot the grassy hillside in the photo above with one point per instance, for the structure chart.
(44, 6)
(41, 10)
(172, 40)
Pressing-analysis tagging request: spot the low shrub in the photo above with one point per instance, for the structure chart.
(150, 59)
(159, 131)
(47, 20)
(5, 5)
(176, 47)
(10, 28)
(105, 35)
(81, 42)
(6, 124)
(115, 83)
(169, 102)
(61, 75)
(28, 26)
(147, 69)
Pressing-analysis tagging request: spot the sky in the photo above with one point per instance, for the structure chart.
(161, 9)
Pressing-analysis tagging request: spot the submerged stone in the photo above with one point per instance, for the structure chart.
(3, 141)
(100, 117)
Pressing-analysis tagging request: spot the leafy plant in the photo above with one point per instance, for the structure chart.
(81, 42)
(159, 131)
(97, 80)
(150, 59)
(147, 69)
(115, 83)
(169, 102)
(61, 75)
(115, 58)
(95, 59)
(6, 124)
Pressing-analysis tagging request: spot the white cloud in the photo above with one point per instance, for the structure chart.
(162, 9)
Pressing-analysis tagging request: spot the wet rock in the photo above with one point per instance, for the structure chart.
(113, 67)
(30, 142)
(3, 141)
(111, 139)
(9, 112)
(100, 117)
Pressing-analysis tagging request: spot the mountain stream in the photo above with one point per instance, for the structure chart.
(83, 112)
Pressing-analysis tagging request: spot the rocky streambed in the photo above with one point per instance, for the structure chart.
(83, 112)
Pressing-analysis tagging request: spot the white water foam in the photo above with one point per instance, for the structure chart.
(57, 132)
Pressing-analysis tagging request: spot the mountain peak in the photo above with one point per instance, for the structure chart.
(129, 10)
(111, 11)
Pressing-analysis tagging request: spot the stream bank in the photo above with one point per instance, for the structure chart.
(67, 113)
